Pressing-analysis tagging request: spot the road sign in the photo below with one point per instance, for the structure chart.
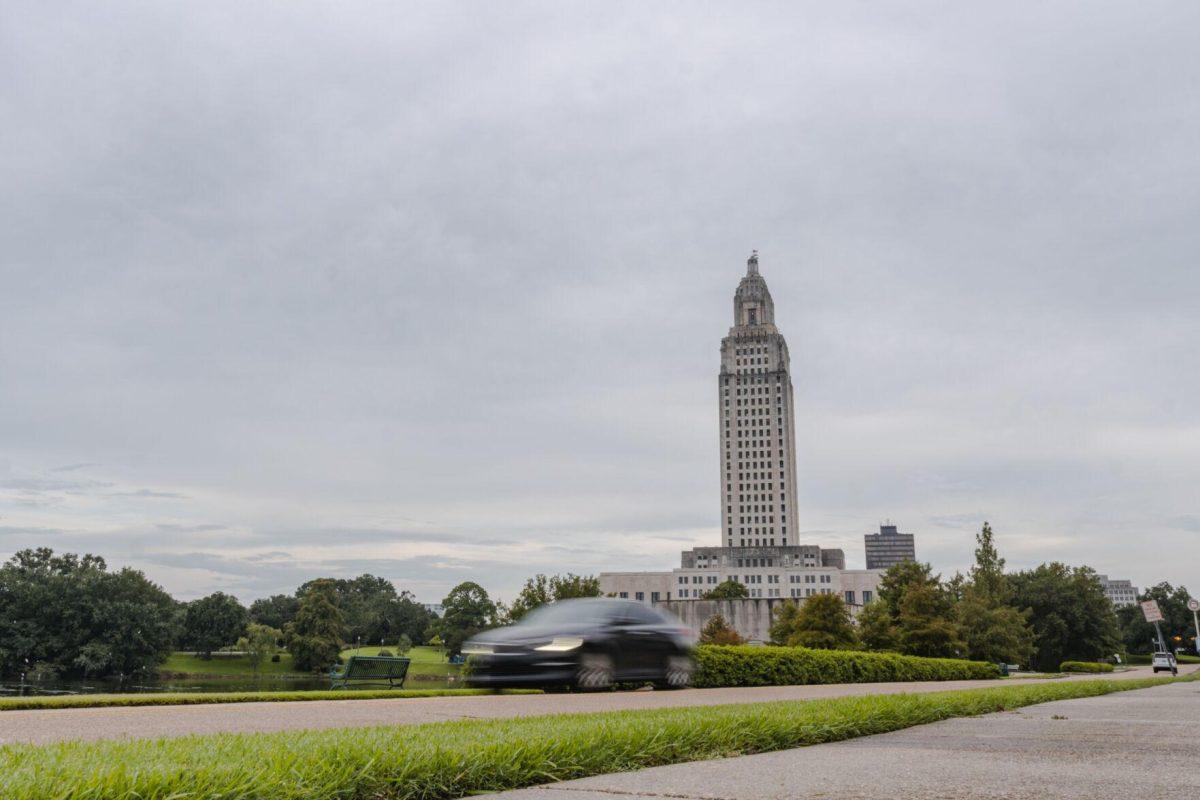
(1193, 605)
(1150, 610)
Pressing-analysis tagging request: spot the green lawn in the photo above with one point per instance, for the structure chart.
(425, 661)
(455, 759)
(225, 666)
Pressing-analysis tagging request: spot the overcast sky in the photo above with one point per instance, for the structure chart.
(435, 291)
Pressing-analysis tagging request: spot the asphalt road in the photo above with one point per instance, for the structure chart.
(154, 721)
(1139, 744)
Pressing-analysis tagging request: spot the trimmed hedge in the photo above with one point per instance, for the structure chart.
(788, 666)
(1084, 666)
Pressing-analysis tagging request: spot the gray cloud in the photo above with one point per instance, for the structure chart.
(422, 281)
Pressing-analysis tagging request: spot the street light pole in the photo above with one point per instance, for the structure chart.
(1194, 605)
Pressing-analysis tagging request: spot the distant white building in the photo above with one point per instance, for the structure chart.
(1120, 592)
(756, 434)
(434, 608)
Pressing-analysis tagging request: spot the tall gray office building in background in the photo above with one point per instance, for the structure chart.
(889, 547)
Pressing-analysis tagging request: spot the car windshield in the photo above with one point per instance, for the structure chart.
(568, 613)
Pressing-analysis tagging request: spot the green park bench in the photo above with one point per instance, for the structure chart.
(370, 670)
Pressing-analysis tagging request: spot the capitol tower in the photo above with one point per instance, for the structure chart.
(757, 423)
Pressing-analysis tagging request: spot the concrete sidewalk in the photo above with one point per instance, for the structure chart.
(1138, 744)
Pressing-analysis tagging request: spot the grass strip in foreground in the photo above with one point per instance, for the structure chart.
(453, 759)
(202, 698)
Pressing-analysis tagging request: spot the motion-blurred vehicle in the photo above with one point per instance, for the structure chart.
(1165, 662)
(587, 643)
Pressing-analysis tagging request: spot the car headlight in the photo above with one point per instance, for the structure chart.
(561, 644)
(477, 649)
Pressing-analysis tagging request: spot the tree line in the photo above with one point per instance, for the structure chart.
(1038, 617)
(70, 616)
(66, 615)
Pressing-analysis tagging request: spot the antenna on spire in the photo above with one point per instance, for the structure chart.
(752, 263)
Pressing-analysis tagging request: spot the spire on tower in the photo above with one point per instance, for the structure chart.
(752, 263)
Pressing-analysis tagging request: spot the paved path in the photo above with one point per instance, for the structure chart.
(153, 721)
(1139, 744)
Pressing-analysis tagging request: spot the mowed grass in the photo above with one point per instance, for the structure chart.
(205, 698)
(426, 661)
(227, 666)
(454, 759)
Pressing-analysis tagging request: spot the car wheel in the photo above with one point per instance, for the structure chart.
(595, 672)
(677, 673)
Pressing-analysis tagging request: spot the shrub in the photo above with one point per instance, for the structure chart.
(717, 631)
(787, 666)
(1084, 666)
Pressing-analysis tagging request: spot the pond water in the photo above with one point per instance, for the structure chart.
(15, 688)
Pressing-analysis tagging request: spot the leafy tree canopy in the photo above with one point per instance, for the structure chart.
(1071, 618)
(275, 611)
(822, 622)
(926, 625)
(728, 589)
(718, 631)
(992, 629)
(374, 611)
(540, 590)
(1137, 635)
(899, 578)
(67, 614)
(466, 611)
(316, 635)
(213, 622)
(876, 628)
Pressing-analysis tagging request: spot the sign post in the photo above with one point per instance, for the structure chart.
(1194, 606)
(1152, 613)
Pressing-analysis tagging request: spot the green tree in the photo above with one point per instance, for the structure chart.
(899, 578)
(259, 644)
(373, 610)
(728, 589)
(213, 622)
(718, 631)
(876, 628)
(1138, 636)
(987, 575)
(69, 615)
(275, 611)
(466, 611)
(1071, 618)
(316, 635)
(926, 626)
(540, 590)
(992, 629)
(822, 622)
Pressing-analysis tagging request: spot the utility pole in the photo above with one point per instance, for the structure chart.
(1194, 605)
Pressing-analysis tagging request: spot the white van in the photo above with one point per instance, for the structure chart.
(1165, 662)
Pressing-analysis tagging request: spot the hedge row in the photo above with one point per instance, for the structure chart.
(1084, 666)
(788, 666)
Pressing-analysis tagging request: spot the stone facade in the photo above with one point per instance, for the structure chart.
(757, 423)
(759, 533)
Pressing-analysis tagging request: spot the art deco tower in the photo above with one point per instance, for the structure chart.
(758, 454)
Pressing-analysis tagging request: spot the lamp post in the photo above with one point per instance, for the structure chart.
(1194, 605)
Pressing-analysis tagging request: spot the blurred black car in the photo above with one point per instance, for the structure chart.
(587, 643)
